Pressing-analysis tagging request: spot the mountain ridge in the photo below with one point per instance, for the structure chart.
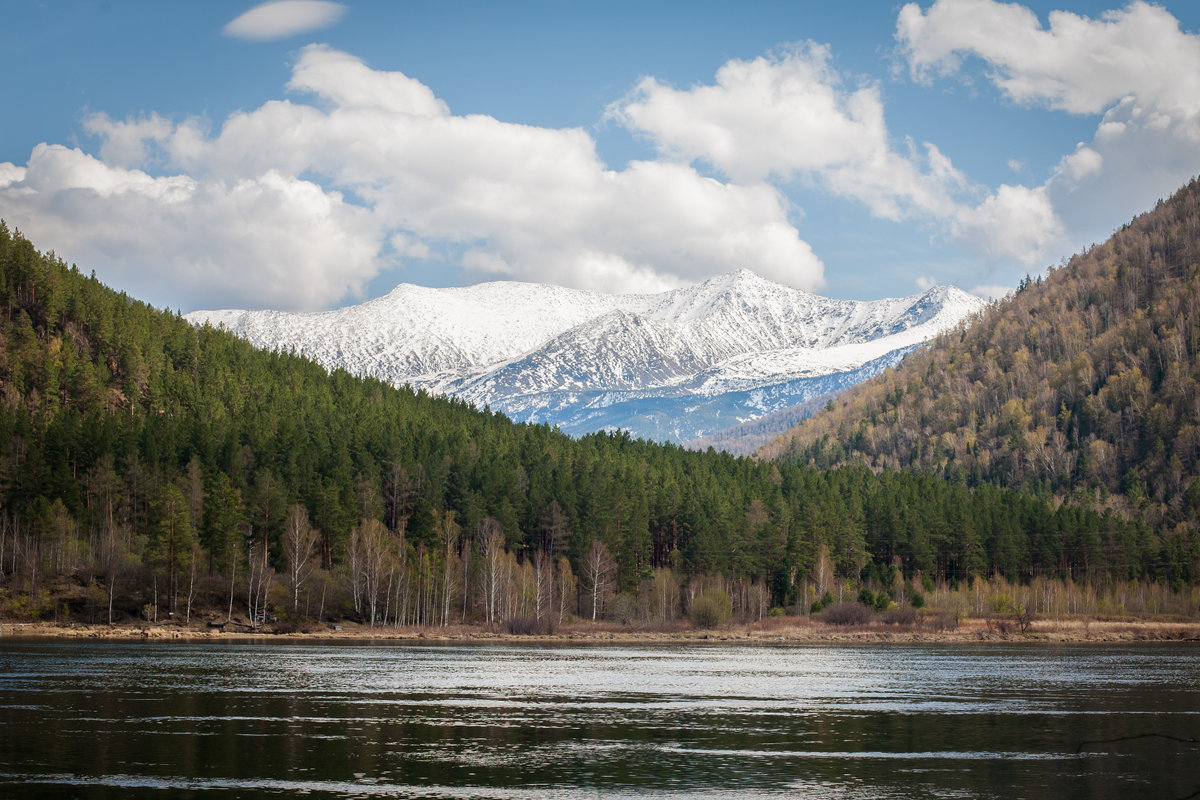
(510, 346)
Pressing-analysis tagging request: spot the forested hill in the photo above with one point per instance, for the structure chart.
(1084, 382)
(149, 463)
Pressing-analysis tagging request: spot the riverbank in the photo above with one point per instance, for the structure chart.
(794, 630)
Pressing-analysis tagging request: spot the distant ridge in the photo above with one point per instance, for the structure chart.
(671, 366)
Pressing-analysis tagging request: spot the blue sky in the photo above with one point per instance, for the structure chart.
(311, 154)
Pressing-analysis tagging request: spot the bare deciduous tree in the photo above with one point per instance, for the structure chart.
(448, 539)
(598, 570)
(493, 573)
(372, 560)
(299, 546)
(543, 585)
(564, 587)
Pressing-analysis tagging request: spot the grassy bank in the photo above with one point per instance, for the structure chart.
(794, 630)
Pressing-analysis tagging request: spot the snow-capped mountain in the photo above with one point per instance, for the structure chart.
(668, 366)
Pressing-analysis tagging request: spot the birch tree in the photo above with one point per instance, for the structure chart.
(299, 545)
(493, 574)
(448, 539)
(598, 569)
(564, 587)
(543, 585)
(372, 561)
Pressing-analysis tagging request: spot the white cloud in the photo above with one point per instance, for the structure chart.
(125, 143)
(283, 18)
(995, 291)
(1078, 64)
(268, 236)
(1015, 223)
(770, 116)
(789, 116)
(924, 282)
(349, 83)
(1080, 164)
(1133, 66)
(244, 220)
(10, 174)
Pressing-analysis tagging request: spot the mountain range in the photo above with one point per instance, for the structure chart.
(672, 366)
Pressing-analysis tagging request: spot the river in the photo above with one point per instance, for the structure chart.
(126, 719)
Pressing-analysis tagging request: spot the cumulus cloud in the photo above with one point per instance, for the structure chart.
(125, 142)
(284, 18)
(1015, 223)
(1078, 64)
(10, 174)
(1134, 67)
(267, 236)
(296, 203)
(790, 116)
(771, 116)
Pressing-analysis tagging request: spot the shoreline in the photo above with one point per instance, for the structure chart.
(775, 631)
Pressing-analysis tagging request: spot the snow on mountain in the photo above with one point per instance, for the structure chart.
(737, 345)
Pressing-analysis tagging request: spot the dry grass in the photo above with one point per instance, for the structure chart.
(770, 629)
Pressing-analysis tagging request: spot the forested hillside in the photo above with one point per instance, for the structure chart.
(149, 468)
(1083, 384)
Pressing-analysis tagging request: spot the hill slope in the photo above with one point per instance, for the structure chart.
(669, 366)
(1087, 381)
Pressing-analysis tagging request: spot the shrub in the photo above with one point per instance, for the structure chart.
(847, 614)
(882, 602)
(777, 611)
(820, 605)
(711, 609)
(900, 615)
(624, 609)
(528, 626)
(1003, 604)
(917, 599)
(940, 622)
(38, 605)
(292, 624)
(866, 597)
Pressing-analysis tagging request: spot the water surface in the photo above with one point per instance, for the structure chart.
(88, 719)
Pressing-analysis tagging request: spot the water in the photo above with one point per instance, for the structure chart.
(86, 719)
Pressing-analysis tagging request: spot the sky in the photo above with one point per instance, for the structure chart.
(305, 155)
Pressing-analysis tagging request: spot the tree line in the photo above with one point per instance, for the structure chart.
(151, 468)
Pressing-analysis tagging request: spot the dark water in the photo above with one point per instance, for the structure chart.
(84, 719)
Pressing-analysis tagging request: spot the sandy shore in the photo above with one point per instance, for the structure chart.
(766, 631)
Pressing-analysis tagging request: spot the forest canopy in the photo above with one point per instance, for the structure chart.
(149, 464)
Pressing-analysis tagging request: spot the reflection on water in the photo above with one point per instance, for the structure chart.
(156, 720)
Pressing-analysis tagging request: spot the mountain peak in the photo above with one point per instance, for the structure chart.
(544, 353)
(740, 278)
